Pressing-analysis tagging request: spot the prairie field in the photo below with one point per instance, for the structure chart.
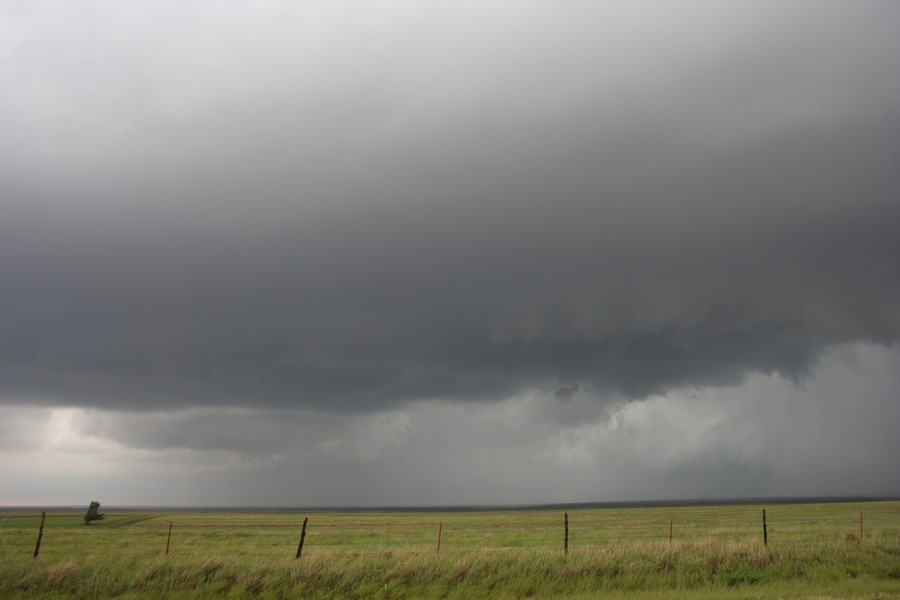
(814, 551)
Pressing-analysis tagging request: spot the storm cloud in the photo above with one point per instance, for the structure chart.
(340, 211)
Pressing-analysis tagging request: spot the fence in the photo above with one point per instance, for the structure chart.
(276, 533)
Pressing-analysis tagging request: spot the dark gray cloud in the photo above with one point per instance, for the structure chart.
(763, 437)
(373, 209)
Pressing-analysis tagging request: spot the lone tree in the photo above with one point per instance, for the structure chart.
(93, 513)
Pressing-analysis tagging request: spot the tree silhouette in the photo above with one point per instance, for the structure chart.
(93, 513)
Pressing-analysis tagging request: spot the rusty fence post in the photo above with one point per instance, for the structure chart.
(861, 533)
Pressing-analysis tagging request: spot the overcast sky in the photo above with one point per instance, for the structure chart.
(397, 253)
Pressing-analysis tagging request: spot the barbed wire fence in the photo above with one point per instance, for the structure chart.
(277, 534)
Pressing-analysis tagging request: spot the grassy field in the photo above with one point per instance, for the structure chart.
(814, 551)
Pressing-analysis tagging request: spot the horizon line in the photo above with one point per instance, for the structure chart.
(473, 506)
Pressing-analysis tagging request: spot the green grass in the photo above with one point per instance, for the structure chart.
(814, 551)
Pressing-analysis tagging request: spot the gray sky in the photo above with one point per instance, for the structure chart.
(481, 252)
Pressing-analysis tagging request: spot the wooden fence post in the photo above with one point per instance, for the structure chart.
(670, 531)
(566, 540)
(440, 531)
(37, 547)
(169, 538)
(302, 537)
(860, 526)
(765, 531)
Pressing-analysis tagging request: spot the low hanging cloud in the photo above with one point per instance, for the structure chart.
(764, 437)
(382, 207)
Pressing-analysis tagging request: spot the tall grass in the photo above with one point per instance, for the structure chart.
(495, 554)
